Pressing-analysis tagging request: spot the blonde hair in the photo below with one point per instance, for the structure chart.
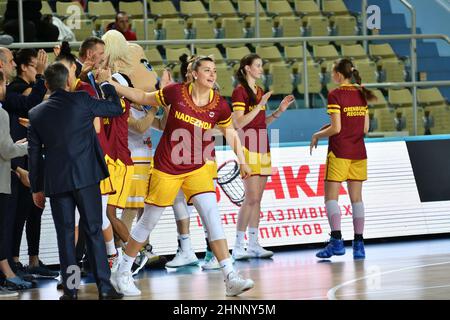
(116, 49)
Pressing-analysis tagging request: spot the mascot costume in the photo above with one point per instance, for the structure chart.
(132, 146)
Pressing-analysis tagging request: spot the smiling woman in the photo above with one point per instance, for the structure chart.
(195, 100)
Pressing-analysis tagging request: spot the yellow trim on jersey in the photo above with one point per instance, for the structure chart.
(225, 123)
(333, 108)
(333, 111)
(75, 85)
(238, 106)
(160, 98)
(122, 104)
(211, 92)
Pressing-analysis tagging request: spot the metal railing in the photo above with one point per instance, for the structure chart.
(304, 40)
(413, 60)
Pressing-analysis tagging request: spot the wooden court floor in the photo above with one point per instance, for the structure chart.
(392, 271)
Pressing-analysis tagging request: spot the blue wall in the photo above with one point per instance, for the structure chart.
(431, 17)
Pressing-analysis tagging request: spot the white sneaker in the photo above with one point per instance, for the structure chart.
(123, 282)
(235, 285)
(183, 258)
(256, 251)
(239, 253)
(212, 264)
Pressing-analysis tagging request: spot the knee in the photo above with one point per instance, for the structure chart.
(252, 201)
(141, 230)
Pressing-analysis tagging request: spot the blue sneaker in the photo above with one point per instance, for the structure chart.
(208, 256)
(358, 249)
(17, 283)
(335, 247)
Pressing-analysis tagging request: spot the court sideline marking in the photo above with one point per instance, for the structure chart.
(331, 294)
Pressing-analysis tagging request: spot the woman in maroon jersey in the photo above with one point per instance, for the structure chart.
(179, 163)
(347, 159)
(249, 115)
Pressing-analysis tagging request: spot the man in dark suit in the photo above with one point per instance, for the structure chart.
(66, 164)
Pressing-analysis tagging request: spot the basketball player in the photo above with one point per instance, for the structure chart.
(179, 164)
(346, 159)
(249, 115)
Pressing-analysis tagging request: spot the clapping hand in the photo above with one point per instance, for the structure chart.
(24, 122)
(42, 60)
(265, 98)
(57, 50)
(103, 75)
(286, 102)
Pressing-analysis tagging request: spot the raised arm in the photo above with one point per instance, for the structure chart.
(109, 107)
(284, 104)
(240, 119)
(143, 124)
(137, 96)
(20, 104)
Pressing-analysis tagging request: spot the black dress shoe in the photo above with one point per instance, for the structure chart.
(110, 295)
(67, 296)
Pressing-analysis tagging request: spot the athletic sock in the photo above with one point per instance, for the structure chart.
(185, 242)
(334, 214)
(252, 237)
(110, 248)
(358, 217)
(358, 237)
(226, 266)
(336, 234)
(126, 263)
(240, 237)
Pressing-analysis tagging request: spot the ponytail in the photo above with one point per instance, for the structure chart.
(185, 60)
(348, 70)
(65, 54)
(368, 94)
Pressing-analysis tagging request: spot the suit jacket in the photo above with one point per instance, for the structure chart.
(17, 106)
(8, 150)
(62, 132)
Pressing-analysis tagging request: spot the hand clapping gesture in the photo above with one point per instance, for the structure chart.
(42, 61)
